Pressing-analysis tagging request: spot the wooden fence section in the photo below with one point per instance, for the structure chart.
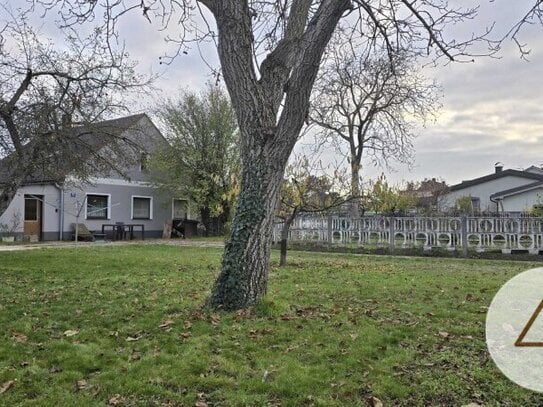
(451, 233)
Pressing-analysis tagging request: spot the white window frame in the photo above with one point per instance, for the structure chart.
(180, 199)
(108, 217)
(150, 207)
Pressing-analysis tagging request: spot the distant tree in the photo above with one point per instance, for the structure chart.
(49, 95)
(202, 159)
(464, 204)
(427, 193)
(385, 199)
(367, 103)
(536, 210)
(302, 192)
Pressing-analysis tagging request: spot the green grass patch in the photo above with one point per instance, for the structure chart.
(126, 326)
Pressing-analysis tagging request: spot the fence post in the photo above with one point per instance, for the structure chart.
(329, 236)
(392, 247)
(464, 235)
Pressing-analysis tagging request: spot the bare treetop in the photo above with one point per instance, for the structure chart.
(397, 23)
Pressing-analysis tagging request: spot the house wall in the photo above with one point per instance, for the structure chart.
(120, 201)
(523, 201)
(483, 192)
(121, 193)
(50, 211)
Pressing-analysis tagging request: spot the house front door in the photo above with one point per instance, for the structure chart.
(32, 229)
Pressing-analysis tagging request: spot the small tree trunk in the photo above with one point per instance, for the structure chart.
(355, 190)
(284, 237)
(245, 265)
(205, 214)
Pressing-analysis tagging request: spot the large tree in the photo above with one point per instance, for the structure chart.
(367, 104)
(201, 161)
(270, 53)
(49, 95)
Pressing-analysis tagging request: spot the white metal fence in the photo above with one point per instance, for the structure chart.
(452, 233)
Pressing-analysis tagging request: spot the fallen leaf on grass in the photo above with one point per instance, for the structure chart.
(19, 337)
(185, 335)
(82, 385)
(215, 319)
(201, 402)
(443, 334)
(6, 386)
(70, 332)
(374, 402)
(133, 338)
(166, 324)
(242, 313)
(471, 405)
(116, 400)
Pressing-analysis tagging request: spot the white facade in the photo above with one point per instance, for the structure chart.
(522, 201)
(483, 191)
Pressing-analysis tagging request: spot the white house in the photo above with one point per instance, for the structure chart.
(512, 191)
(49, 208)
(519, 199)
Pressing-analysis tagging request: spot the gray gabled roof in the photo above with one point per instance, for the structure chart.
(517, 190)
(87, 138)
(497, 175)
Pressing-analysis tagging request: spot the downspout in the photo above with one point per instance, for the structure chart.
(61, 212)
(497, 204)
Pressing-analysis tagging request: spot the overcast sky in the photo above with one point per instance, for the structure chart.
(492, 108)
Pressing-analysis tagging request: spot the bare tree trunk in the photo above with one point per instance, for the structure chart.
(205, 214)
(284, 237)
(355, 189)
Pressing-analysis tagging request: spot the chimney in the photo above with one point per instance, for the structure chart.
(498, 167)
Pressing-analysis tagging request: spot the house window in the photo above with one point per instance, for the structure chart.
(180, 209)
(97, 206)
(31, 209)
(476, 204)
(142, 207)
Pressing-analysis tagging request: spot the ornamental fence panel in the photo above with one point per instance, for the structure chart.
(463, 233)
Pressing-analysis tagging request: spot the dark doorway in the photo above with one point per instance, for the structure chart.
(33, 222)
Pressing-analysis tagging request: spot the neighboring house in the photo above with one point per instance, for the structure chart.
(511, 191)
(519, 199)
(49, 208)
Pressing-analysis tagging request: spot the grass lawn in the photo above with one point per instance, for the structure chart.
(125, 326)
